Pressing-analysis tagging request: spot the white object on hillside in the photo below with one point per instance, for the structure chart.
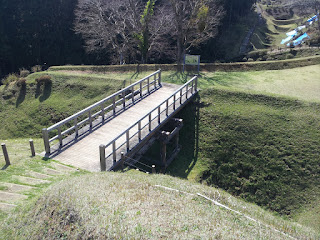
(292, 33)
(300, 28)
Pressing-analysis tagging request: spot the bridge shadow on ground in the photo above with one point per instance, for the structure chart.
(189, 140)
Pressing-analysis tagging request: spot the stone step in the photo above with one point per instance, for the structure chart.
(15, 188)
(6, 207)
(37, 175)
(63, 168)
(30, 181)
(51, 171)
(11, 197)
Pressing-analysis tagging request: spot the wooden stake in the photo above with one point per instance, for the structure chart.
(33, 153)
(5, 153)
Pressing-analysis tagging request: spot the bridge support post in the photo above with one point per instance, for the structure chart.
(122, 161)
(45, 136)
(102, 149)
(163, 150)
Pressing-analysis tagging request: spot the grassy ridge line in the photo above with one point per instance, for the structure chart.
(25, 111)
(226, 67)
(262, 148)
(129, 206)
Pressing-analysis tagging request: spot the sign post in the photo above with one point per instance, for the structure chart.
(193, 60)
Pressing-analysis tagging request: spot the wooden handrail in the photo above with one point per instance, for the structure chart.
(157, 109)
(89, 110)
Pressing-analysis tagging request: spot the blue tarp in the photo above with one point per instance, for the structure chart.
(299, 40)
(314, 18)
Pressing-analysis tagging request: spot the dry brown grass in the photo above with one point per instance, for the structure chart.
(130, 206)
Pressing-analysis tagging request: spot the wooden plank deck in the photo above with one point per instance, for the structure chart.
(84, 153)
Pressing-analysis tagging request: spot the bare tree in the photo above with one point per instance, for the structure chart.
(108, 24)
(195, 22)
(154, 28)
(124, 27)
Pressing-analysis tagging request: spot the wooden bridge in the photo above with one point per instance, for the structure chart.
(97, 137)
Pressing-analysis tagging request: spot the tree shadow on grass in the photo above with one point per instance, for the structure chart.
(22, 95)
(181, 77)
(47, 89)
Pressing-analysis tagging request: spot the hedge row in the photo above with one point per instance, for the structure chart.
(227, 67)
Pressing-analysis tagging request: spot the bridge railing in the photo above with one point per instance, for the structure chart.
(143, 127)
(96, 114)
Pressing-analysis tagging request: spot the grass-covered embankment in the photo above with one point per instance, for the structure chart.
(26, 110)
(251, 133)
(257, 138)
(131, 206)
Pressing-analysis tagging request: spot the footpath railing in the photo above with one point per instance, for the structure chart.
(127, 140)
(98, 113)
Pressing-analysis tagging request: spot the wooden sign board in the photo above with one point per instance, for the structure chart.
(193, 60)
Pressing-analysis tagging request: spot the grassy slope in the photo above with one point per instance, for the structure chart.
(26, 112)
(21, 164)
(301, 83)
(255, 143)
(224, 118)
(130, 206)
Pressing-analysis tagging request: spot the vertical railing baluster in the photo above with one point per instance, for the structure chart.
(181, 96)
(160, 77)
(167, 107)
(187, 89)
(90, 120)
(124, 100)
(150, 122)
(141, 89)
(60, 136)
(102, 113)
(127, 141)
(155, 81)
(76, 129)
(132, 94)
(192, 86)
(45, 135)
(114, 105)
(139, 130)
(148, 84)
(114, 151)
(196, 84)
(174, 102)
(159, 110)
(102, 151)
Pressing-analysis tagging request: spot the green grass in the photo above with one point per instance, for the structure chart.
(21, 163)
(130, 206)
(301, 83)
(254, 134)
(26, 111)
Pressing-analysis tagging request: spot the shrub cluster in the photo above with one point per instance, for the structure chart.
(10, 78)
(36, 68)
(24, 72)
(21, 82)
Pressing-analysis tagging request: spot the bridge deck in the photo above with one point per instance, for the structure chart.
(85, 152)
